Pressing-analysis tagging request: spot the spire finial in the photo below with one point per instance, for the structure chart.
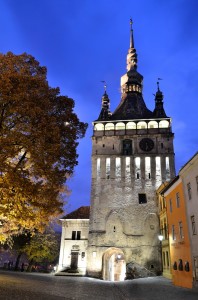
(131, 34)
(158, 84)
(105, 85)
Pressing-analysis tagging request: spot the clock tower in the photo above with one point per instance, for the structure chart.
(132, 154)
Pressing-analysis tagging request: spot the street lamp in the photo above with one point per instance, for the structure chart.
(160, 237)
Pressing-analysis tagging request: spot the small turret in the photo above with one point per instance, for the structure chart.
(105, 112)
(159, 111)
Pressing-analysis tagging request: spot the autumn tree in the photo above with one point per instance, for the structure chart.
(42, 248)
(39, 134)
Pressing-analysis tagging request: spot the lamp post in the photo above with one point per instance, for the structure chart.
(160, 238)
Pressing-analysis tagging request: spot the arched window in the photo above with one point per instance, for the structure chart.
(127, 147)
(152, 124)
(120, 126)
(99, 126)
(163, 124)
(109, 126)
(141, 125)
(130, 125)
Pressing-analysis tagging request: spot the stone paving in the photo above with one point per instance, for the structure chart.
(29, 286)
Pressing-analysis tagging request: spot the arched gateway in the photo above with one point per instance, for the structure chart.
(114, 266)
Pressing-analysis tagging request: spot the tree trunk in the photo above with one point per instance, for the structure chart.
(29, 268)
(16, 267)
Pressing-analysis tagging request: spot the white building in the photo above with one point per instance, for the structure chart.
(74, 241)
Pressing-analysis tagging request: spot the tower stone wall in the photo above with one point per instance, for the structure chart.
(132, 154)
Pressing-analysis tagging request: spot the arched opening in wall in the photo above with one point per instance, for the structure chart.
(109, 126)
(163, 124)
(141, 125)
(152, 124)
(130, 125)
(99, 127)
(120, 126)
(114, 265)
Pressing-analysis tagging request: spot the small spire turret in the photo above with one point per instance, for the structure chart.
(105, 112)
(159, 111)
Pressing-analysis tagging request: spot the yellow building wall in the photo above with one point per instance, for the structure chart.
(179, 246)
(165, 252)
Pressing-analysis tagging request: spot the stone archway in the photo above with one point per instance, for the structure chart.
(114, 265)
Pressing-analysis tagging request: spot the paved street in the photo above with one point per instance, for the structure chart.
(28, 286)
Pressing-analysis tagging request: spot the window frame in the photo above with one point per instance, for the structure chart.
(143, 195)
(129, 149)
(196, 178)
(181, 231)
(177, 195)
(170, 206)
(189, 189)
(173, 232)
(193, 224)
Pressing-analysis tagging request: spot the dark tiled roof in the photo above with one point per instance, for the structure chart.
(132, 106)
(80, 213)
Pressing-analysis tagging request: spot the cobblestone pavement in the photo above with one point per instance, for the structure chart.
(28, 286)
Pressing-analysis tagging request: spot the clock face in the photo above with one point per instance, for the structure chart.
(146, 144)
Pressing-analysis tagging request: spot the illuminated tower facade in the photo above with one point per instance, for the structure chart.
(132, 154)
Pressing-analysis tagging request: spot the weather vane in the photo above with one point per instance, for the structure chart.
(158, 82)
(105, 85)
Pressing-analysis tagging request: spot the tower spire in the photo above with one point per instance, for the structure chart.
(132, 55)
(131, 35)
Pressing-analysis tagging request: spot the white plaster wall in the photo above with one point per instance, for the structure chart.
(67, 244)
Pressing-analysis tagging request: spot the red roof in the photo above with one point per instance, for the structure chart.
(80, 213)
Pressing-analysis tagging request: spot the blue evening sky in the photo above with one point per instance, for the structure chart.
(82, 42)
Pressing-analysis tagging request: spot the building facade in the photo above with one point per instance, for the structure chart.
(132, 154)
(179, 242)
(189, 177)
(74, 242)
(163, 218)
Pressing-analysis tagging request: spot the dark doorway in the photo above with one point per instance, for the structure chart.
(74, 261)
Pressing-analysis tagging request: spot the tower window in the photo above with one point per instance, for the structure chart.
(73, 235)
(76, 235)
(127, 147)
(108, 167)
(103, 145)
(142, 198)
(162, 145)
